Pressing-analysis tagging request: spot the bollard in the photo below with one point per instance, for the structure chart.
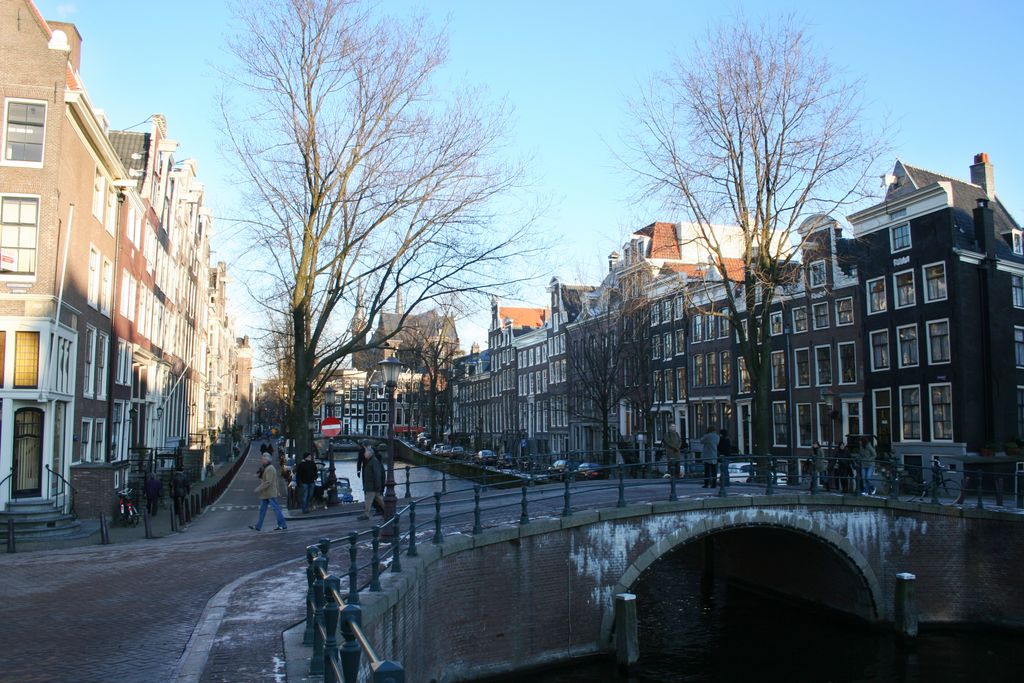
(672, 495)
(353, 569)
(622, 487)
(375, 561)
(567, 508)
(438, 538)
(324, 546)
(332, 587)
(316, 663)
(350, 649)
(104, 530)
(444, 481)
(906, 606)
(174, 519)
(477, 527)
(412, 552)
(770, 479)
(10, 536)
(396, 543)
(186, 506)
(407, 494)
(524, 515)
(627, 644)
(146, 523)
(307, 633)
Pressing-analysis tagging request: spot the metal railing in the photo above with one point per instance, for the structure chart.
(463, 504)
(61, 490)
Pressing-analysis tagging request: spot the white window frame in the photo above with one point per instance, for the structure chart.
(25, 277)
(899, 347)
(796, 368)
(101, 369)
(1016, 242)
(106, 286)
(4, 161)
(807, 323)
(931, 411)
(892, 241)
(823, 271)
(95, 265)
(799, 441)
(1017, 301)
(697, 331)
(85, 443)
(839, 322)
(817, 372)
(1017, 329)
(821, 305)
(99, 438)
(896, 290)
(871, 349)
(89, 362)
(924, 281)
(928, 341)
(775, 424)
(839, 361)
(775, 323)
(655, 315)
(920, 410)
(771, 364)
(867, 296)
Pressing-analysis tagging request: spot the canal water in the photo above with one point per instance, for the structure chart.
(720, 632)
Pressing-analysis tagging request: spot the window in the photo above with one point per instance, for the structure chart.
(907, 336)
(698, 328)
(826, 426)
(883, 416)
(102, 353)
(823, 365)
(123, 375)
(844, 311)
(847, 362)
(1017, 287)
(816, 274)
(880, 350)
(820, 316)
(910, 413)
(99, 437)
(1018, 247)
(800, 319)
(726, 367)
(935, 282)
(86, 444)
(680, 383)
(938, 342)
(668, 344)
(804, 428)
(89, 386)
(94, 277)
(775, 323)
(941, 398)
(803, 370)
(903, 285)
(1020, 410)
(899, 237)
(712, 368)
(99, 195)
(778, 370)
(656, 347)
(698, 370)
(19, 221)
(741, 364)
(723, 326)
(679, 304)
(680, 341)
(26, 360)
(876, 295)
(106, 286)
(24, 132)
(1018, 346)
(711, 324)
(655, 317)
(666, 311)
(779, 424)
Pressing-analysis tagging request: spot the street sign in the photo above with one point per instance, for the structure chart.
(331, 426)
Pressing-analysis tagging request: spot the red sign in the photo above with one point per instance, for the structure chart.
(331, 426)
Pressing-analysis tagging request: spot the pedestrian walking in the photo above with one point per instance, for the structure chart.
(724, 451)
(267, 492)
(819, 465)
(844, 468)
(867, 465)
(306, 473)
(709, 455)
(180, 487)
(672, 442)
(373, 481)
(153, 488)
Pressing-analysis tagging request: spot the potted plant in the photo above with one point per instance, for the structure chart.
(989, 449)
(1011, 448)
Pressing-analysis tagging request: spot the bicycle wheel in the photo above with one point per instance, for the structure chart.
(911, 491)
(949, 492)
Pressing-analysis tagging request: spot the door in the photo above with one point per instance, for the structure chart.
(851, 419)
(28, 453)
(744, 433)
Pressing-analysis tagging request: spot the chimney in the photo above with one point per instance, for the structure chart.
(985, 227)
(475, 348)
(74, 42)
(983, 175)
(613, 260)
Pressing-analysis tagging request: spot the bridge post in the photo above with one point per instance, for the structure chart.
(770, 479)
(627, 644)
(412, 552)
(622, 487)
(906, 605)
(332, 586)
(438, 538)
(375, 561)
(894, 482)
(307, 634)
(567, 508)
(444, 481)
(388, 672)
(723, 469)
(524, 516)
(396, 544)
(407, 494)
(316, 663)
(477, 527)
(353, 569)
(351, 616)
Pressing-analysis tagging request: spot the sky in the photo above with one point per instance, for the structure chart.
(945, 75)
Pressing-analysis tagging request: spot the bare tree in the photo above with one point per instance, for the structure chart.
(755, 131)
(361, 178)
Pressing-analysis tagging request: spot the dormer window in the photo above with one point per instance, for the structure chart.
(816, 274)
(899, 237)
(1018, 245)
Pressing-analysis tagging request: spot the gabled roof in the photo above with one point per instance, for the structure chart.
(523, 316)
(664, 243)
(133, 149)
(572, 299)
(733, 268)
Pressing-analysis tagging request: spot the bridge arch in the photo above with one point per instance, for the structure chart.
(747, 519)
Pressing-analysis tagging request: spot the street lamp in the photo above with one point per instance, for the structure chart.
(390, 369)
(330, 396)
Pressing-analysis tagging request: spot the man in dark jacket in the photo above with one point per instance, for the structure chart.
(306, 472)
(180, 488)
(373, 481)
(153, 490)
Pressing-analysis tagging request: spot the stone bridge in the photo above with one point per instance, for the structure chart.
(518, 596)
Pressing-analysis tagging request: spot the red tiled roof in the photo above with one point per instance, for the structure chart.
(39, 18)
(733, 268)
(72, 80)
(663, 240)
(523, 316)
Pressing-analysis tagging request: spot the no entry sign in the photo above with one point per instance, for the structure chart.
(331, 426)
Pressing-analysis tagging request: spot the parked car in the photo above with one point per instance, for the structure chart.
(457, 452)
(591, 470)
(486, 457)
(421, 438)
(560, 468)
(745, 472)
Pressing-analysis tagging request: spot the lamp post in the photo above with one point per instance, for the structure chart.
(390, 369)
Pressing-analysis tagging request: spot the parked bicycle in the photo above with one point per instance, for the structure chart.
(126, 507)
(915, 486)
